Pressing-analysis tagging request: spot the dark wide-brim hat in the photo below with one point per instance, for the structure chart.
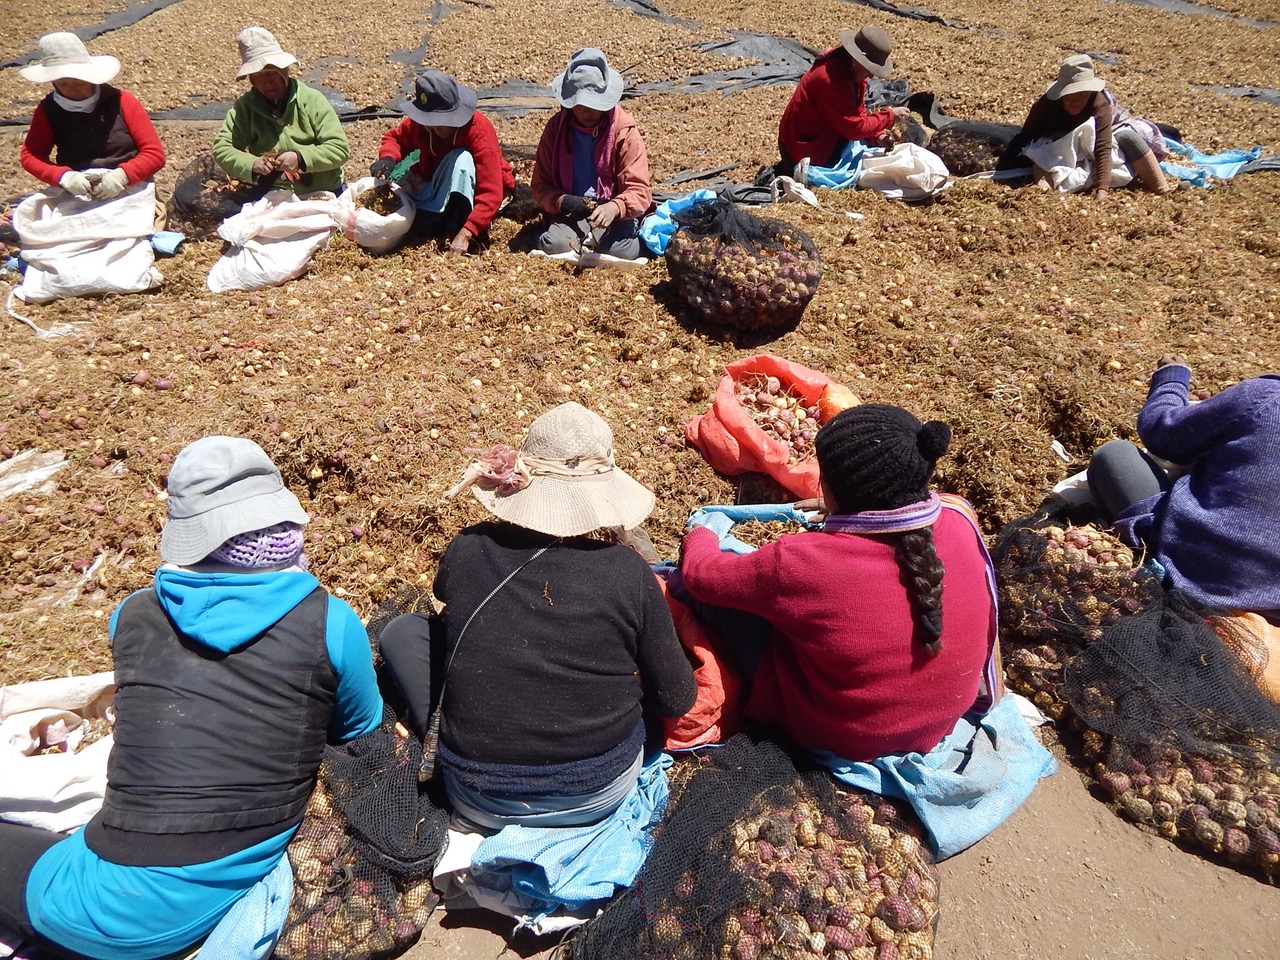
(438, 100)
(870, 48)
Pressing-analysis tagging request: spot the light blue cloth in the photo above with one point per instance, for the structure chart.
(720, 520)
(1201, 166)
(659, 227)
(251, 928)
(456, 174)
(967, 785)
(847, 169)
(554, 868)
(167, 242)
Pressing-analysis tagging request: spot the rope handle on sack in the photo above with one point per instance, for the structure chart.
(431, 742)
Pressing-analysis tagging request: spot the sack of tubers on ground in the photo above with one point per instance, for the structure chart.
(734, 269)
(364, 855)
(1061, 588)
(765, 415)
(966, 152)
(204, 196)
(1184, 742)
(758, 861)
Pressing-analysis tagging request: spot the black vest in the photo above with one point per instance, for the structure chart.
(97, 139)
(213, 751)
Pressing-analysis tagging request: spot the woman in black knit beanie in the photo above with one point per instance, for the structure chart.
(882, 622)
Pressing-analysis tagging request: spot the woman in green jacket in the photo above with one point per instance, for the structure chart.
(281, 127)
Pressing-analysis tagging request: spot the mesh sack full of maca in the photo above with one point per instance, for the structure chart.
(365, 853)
(758, 860)
(205, 195)
(1192, 744)
(734, 269)
(1061, 586)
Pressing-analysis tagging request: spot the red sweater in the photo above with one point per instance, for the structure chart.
(826, 108)
(37, 148)
(843, 672)
(494, 178)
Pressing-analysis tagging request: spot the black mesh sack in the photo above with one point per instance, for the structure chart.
(734, 269)
(205, 196)
(968, 151)
(1061, 586)
(758, 860)
(1193, 746)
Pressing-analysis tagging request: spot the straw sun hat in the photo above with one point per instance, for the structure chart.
(63, 56)
(562, 481)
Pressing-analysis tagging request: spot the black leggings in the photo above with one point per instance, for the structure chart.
(22, 847)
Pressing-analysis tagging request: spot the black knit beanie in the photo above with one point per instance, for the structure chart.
(878, 457)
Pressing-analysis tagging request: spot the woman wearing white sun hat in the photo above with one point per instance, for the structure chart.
(1076, 97)
(86, 136)
(570, 635)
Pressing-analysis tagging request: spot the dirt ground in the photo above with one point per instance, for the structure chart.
(1021, 317)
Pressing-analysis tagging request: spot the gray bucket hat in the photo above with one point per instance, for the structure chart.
(1075, 76)
(63, 56)
(573, 484)
(588, 81)
(259, 49)
(870, 47)
(220, 487)
(438, 100)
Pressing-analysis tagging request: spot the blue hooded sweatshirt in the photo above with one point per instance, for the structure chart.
(116, 912)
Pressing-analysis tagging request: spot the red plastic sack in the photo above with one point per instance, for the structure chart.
(716, 714)
(732, 443)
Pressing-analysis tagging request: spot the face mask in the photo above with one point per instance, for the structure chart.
(86, 105)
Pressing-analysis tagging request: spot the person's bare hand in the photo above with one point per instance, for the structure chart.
(1169, 358)
(263, 166)
(900, 113)
(290, 164)
(461, 243)
(1100, 194)
(603, 215)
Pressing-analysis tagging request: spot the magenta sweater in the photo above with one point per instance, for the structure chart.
(843, 672)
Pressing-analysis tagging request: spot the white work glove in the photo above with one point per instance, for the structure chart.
(111, 185)
(76, 184)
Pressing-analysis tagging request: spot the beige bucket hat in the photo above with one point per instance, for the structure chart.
(219, 488)
(260, 49)
(1075, 76)
(563, 480)
(63, 56)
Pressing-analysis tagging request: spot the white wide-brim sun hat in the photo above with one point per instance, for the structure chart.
(63, 56)
(575, 486)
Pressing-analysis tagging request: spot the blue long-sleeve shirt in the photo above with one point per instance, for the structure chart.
(1216, 531)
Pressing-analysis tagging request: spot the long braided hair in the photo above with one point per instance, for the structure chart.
(880, 457)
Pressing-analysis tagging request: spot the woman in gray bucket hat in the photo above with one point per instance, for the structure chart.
(591, 172)
(461, 176)
(568, 632)
(1077, 97)
(232, 673)
(281, 130)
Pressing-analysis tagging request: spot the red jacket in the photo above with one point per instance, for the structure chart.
(494, 178)
(826, 108)
(843, 672)
(37, 148)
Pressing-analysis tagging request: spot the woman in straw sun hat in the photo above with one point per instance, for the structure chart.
(232, 673)
(828, 108)
(591, 171)
(556, 646)
(1076, 97)
(281, 129)
(86, 136)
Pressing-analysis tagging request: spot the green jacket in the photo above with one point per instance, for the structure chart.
(308, 124)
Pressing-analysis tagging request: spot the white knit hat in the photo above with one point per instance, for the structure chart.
(574, 487)
(63, 56)
(259, 49)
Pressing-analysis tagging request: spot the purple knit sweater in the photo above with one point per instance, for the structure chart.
(1216, 531)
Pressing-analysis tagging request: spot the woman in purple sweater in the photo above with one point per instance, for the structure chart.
(1216, 529)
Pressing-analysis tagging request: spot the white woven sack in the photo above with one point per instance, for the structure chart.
(907, 172)
(373, 231)
(272, 240)
(1069, 160)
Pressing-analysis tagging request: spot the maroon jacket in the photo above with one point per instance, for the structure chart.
(827, 108)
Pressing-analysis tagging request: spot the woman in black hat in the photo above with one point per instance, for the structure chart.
(882, 622)
(461, 174)
(828, 108)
